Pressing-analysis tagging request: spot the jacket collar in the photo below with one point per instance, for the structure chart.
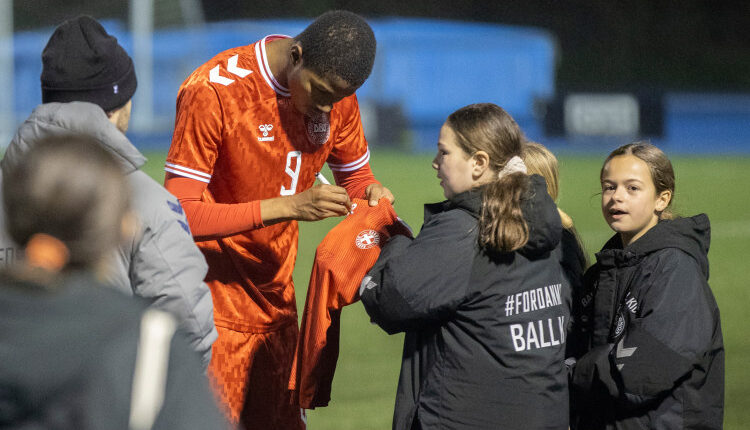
(539, 211)
(60, 119)
(691, 235)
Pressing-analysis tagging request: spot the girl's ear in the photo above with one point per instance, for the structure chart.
(662, 200)
(481, 163)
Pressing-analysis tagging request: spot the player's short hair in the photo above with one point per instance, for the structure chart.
(69, 188)
(339, 43)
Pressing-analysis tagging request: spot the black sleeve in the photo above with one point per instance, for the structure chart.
(418, 283)
(380, 303)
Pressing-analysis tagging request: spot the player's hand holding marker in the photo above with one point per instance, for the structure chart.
(314, 204)
(373, 192)
(322, 201)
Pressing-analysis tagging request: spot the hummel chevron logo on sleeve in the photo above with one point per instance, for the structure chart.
(623, 352)
(175, 207)
(366, 284)
(232, 68)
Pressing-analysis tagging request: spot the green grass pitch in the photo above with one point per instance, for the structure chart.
(365, 383)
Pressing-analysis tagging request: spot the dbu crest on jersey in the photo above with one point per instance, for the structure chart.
(366, 239)
(318, 128)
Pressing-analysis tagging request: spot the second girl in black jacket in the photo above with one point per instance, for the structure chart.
(656, 355)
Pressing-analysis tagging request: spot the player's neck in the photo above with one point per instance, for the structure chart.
(279, 59)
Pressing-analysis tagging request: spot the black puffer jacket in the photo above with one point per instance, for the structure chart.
(485, 335)
(657, 356)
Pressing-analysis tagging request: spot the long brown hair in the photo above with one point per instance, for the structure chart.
(487, 127)
(662, 173)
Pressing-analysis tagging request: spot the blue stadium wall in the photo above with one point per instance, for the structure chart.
(424, 70)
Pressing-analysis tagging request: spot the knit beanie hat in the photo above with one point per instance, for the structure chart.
(82, 62)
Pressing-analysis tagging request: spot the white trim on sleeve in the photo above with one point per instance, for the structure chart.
(354, 165)
(187, 172)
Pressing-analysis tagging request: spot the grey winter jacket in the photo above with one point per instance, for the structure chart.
(161, 263)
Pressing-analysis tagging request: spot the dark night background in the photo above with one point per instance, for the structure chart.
(672, 45)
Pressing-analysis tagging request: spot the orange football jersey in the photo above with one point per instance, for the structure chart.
(237, 130)
(342, 259)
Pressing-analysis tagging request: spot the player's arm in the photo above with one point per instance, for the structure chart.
(213, 220)
(355, 176)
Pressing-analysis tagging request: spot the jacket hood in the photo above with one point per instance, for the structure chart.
(539, 210)
(63, 119)
(691, 235)
(542, 217)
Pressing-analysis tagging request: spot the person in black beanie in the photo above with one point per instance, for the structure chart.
(87, 83)
(81, 62)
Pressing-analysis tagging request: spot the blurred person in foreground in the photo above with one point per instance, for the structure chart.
(75, 355)
(88, 81)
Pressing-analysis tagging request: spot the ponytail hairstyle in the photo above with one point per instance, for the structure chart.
(487, 127)
(662, 173)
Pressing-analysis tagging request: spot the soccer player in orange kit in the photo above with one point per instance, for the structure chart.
(254, 125)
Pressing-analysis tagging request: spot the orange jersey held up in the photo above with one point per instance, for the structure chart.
(341, 261)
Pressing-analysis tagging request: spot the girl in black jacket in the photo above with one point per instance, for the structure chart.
(480, 292)
(656, 357)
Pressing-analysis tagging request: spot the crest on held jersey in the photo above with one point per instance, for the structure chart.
(318, 128)
(366, 239)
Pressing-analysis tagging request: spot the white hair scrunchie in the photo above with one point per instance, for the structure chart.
(514, 165)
